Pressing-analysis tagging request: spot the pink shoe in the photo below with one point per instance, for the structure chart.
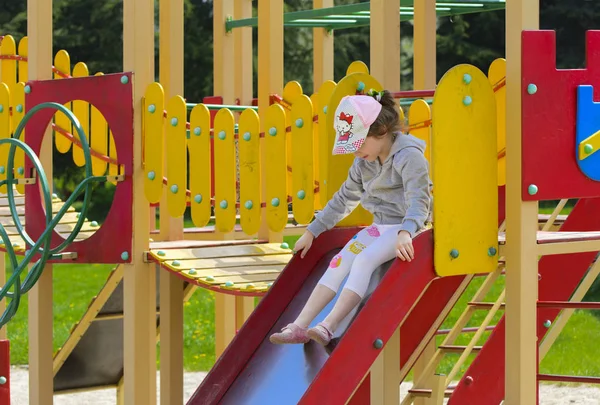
(290, 334)
(320, 334)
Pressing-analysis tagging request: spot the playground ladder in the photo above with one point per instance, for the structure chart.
(448, 347)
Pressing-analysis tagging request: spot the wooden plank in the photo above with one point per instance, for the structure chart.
(225, 251)
(250, 184)
(276, 168)
(238, 278)
(218, 274)
(556, 237)
(303, 183)
(225, 171)
(154, 101)
(188, 244)
(231, 262)
(176, 156)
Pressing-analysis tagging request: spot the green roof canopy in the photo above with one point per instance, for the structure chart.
(358, 15)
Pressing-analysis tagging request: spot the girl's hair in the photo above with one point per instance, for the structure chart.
(389, 119)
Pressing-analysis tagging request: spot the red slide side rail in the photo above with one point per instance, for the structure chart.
(250, 337)
(389, 304)
(4, 372)
(560, 276)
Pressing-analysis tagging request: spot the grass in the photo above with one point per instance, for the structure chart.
(575, 352)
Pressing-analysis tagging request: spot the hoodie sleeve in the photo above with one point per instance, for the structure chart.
(343, 202)
(414, 170)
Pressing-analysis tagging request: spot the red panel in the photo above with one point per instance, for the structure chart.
(487, 370)
(249, 338)
(389, 304)
(5, 372)
(549, 116)
(114, 100)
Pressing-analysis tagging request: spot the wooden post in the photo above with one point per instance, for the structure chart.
(420, 368)
(322, 51)
(171, 286)
(3, 330)
(521, 225)
(385, 373)
(139, 283)
(385, 43)
(270, 81)
(41, 388)
(424, 63)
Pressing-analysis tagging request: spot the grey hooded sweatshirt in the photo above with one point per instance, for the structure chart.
(395, 192)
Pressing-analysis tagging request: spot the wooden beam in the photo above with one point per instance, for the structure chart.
(322, 51)
(424, 62)
(385, 43)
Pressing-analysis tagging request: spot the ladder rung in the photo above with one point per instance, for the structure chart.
(464, 330)
(426, 392)
(458, 349)
(483, 305)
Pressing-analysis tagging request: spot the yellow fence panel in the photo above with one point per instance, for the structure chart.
(291, 92)
(250, 184)
(200, 167)
(5, 131)
(314, 99)
(303, 181)
(81, 109)
(176, 156)
(276, 169)
(8, 67)
(419, 124)
(62, 62)
(99, 139)
(324, 144)
(22, 64)
(17, 98)
(497, 78)
(225, 171)
(465, 173)
(153, 122)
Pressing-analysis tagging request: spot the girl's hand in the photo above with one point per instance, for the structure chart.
(304, 243)
(404, 248)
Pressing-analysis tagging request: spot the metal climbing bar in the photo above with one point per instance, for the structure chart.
(358, 15)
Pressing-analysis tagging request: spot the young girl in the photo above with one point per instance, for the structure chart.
(390, 178)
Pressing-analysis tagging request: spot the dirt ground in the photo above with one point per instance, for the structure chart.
(549, 394)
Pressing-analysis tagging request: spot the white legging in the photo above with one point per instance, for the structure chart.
(367, 250)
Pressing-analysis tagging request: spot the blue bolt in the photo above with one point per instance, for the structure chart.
(378, 344)
(192, 271)
(174, 189)
(20, 108)
(272, 131)
(547, 323)
(532, 189)
(275, 202)
(2, 170)
(151, 108)
(247, 136)
(124, 79)
(161, 253)
(325, 110)
(210, 278)
(531, 88)
(27, 89)
(2, 380)
(467, 100)
(1, 108)
(299, 122)
(248, 204)
(467, 78)
(454, 253)
(174, 121)
(492, 251)
(229, 284)
(175, 263)
(20, 170)
(125, 256)
(94, 223)
(361, 86)
(222, 135)
(151, 175)
(223, 204)
(197, 131)
(301, 194)
(198, 198)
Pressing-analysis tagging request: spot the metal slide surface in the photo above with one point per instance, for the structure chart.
(254, 371)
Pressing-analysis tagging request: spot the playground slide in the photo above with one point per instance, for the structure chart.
(254, 371)
(560, 276)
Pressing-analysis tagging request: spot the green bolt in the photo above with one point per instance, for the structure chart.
(492, 251)
(229, 284)
(174, 121)
(284, 245)
(299, 122)
(20, 108)
(269, 285)
(222, 135)
(175, 263)
(27, 89)
(174, 189)
(532, 189)
(325, 110)
(94, 223)
(20, 170)
(378, 344)
(272, 131)
(198, 198)
(151, 108)
(192, 271)
(249, 286)
(588, 148)
(248, 204)
(247, 136)
(467, 100)
(547, 323)
(360, 87)
(124, 79)
(467, 78)
(531, 88)
(210, 278)
(151, 175)
(223, 204)
(454, 253)
(275, 202)
(2, 380)
(125, 256)
(54, 196)
(1, 108)
(197, 131)
(161, 253)
(301, 194)
(2, 170)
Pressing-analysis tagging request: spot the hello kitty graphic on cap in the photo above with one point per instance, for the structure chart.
(353, 117)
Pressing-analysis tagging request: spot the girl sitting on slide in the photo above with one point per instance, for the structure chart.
(390, 178)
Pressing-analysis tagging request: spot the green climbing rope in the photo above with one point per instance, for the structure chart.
(14, 288)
